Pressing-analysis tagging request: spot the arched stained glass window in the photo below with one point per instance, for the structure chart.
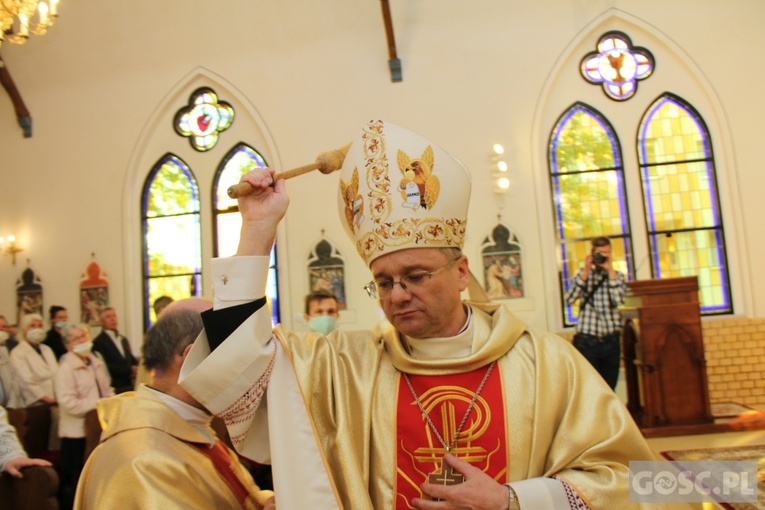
(587, 180)
(171, 232)
(239, 160)
(685, 231)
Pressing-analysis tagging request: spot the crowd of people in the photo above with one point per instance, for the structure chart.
(63, 370)
(71, 373)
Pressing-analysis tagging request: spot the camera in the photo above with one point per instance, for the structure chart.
(598, 258)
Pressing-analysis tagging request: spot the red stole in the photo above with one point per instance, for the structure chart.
(226, 468)
(482, 441)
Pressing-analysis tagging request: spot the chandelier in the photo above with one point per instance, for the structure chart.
(17, 19)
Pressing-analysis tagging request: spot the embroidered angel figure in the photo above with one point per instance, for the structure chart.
(354, 202)
(428, 185)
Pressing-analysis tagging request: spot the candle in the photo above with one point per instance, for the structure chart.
(23, 26)
(43, 10)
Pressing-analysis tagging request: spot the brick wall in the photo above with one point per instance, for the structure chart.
(735, 353)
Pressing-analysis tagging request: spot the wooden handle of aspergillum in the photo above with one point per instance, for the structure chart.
(326, 162)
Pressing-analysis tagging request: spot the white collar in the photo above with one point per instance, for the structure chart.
(457, 346)
(197, 418)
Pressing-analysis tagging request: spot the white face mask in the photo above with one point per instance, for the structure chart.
(3, 337)
(83, 349)
(35, 336)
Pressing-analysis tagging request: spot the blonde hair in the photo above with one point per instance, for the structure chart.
(27, 321)
(67, 331)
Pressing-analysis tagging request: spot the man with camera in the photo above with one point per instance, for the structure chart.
(600, 289)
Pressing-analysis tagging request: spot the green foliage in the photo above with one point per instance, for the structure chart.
(172, 191)
(584, 146)
(158, 265)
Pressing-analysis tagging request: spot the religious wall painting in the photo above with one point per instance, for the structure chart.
(326, 271)
(29, 294)
(501, 253)
(94, 293)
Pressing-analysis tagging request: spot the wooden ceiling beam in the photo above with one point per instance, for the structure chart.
(393, 61)
(22, 113)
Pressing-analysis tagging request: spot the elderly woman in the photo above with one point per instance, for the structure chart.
(34, 363)
(82, 379)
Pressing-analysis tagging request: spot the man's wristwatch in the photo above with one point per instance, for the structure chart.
(512, 499)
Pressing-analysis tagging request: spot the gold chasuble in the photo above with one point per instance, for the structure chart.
(543, 412)
(337, 420)
(481, 440)
(223, 461)
(151, 458)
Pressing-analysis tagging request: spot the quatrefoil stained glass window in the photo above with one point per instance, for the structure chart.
(617, 65)
(203, 118)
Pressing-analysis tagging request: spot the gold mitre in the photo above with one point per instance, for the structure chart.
(398, 190)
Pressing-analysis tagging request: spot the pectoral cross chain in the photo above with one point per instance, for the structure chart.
(447, 476)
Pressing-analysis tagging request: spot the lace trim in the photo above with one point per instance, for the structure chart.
(574, 500)
(243, 409)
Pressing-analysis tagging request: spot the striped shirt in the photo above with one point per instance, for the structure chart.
(600, 316)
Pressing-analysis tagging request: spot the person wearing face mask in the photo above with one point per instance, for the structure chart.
(58, 321)
(321, 311)
(81, 379)
(34, 362)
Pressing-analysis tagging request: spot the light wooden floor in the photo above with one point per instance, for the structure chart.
(707, 440)
(660, 444)
(698, 441)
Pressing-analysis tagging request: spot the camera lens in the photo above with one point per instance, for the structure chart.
(598, 257)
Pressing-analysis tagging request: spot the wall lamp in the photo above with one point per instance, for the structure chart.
(499, 170)
(8, 246)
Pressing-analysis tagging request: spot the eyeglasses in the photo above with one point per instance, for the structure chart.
(416, 279)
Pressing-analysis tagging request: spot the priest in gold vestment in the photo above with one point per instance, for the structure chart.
(458, 401)
(157, 448)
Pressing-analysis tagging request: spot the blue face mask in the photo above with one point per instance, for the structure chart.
(323, 323)
(61, 325)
